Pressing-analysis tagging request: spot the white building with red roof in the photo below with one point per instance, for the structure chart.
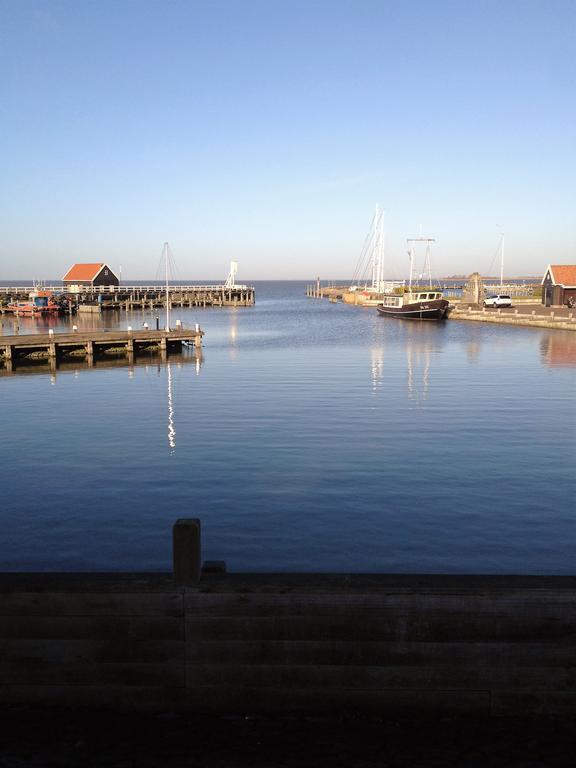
(89, 275)
(558, 284)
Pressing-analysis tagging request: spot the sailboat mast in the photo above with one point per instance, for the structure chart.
(502, 261)
(375, 252)
(427, 258)
(381, 253)
(166, 251)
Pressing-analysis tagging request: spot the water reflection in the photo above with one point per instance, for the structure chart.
(421, 343)
(418, 373)
(85, 321)
(53, 367)
(171, 427)
(473, 351)
(233, 334)
(559, 350)
(377, 357)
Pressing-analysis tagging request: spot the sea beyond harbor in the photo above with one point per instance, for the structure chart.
(310, 436)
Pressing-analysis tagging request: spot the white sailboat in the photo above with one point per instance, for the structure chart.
(372, 259)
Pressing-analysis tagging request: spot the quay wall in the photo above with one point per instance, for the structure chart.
(540, 317)
(290, 644)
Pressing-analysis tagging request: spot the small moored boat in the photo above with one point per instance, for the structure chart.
(39, 303)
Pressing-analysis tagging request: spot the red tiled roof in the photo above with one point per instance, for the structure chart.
(82, 272)
(564, 274)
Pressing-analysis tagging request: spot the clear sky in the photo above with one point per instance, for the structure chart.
(267, 131)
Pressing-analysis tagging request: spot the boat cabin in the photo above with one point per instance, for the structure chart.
(410, 298)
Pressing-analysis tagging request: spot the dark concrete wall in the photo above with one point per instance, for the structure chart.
(290, 644)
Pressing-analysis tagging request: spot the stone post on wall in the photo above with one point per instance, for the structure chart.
(473, 292)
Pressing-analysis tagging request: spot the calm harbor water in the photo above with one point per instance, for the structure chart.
(311, 436)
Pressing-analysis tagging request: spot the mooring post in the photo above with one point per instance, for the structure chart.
(186, 551)
(52, 344)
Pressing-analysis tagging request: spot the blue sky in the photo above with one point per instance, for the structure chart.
(267, 132)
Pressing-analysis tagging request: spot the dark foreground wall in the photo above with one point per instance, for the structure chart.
(285, 644)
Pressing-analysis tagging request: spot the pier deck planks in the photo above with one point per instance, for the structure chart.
(284, 644)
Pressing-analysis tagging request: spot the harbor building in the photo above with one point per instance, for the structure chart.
(559, 284)
(92, 275)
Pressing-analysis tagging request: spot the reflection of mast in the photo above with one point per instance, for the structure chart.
(413, 393)
(171, 429)
(377, 356)
(425, 376)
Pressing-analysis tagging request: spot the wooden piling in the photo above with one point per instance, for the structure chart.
(186, 551)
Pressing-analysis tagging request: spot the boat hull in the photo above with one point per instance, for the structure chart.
(28, 309)
(425, 310)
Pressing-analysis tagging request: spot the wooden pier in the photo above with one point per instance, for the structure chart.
(91, 344)
(203, 641)
(128, 297)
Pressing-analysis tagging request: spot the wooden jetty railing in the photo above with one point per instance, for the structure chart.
(96, 289)
(138, 296)
(92, 343)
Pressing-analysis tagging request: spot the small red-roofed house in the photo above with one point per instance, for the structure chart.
(558, 284)
(94, 275)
